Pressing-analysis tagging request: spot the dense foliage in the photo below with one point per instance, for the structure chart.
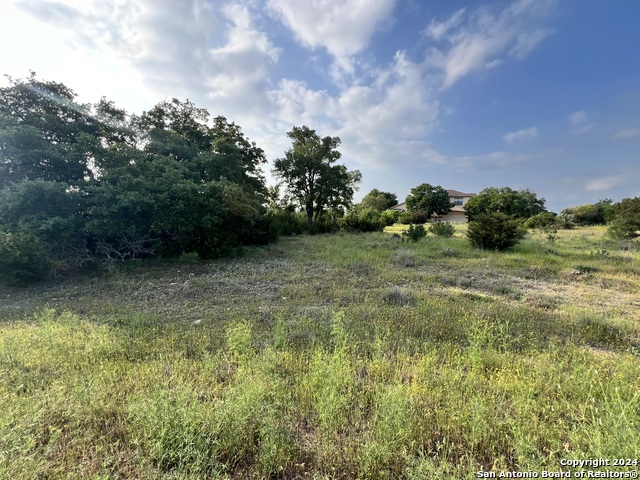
(589, 214)
(429, 200)
(379, 200)
(494, 231)
(416, 232)
(519, 204)
(541, 220)
(310, 176)
(80, 182)
(625, 219)
(442, 229)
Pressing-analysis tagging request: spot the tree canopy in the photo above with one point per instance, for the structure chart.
(311, 177)
(518, 204)
(429, 200)
(82, 180)
(625, 219)
(379, 200)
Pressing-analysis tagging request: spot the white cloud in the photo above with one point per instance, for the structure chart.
(343, 27)
(628, 133)
(605, 183)
(487, 37)
(526, 134)
(379, 124)
(220, 59)
(578, 118)
(437, 30)
(579, 121)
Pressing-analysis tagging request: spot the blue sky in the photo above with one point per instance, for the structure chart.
(540, 94)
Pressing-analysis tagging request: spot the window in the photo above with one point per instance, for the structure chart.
(457, 201)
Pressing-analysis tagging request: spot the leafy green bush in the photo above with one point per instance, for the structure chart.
(590, 213)
(390, 216)
(415, 232)
(363, 220)
(24, 259)
(407, 218)
(623, 230)
(494, 231)
(541, 220)
(442, 229)
(625, 219)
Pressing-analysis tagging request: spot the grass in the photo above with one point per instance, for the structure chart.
(343, 356)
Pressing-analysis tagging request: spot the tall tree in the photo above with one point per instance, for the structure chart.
(519, 204)
(45, 134)
(379, 200)
(310, 175)
(429, 199)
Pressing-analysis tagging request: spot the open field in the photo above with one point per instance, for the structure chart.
(333, 356)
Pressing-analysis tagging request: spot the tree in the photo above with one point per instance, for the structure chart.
(46, 135)
(379, 200)
(590, 213)
(428, 200)
(625, 219)
(310, 175)
(518, 204)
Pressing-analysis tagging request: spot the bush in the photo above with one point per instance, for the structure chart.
(390, 217)
(442, 229)
(407, 218)
(494, 231)
(23, 259)
(623, 230)
(541, 220)
(363, 220)
(415, 232)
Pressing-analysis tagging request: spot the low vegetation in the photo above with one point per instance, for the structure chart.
(342, 356)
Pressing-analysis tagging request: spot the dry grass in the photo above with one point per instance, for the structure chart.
(346, 356)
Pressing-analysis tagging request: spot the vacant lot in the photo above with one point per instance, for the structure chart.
(342, 356)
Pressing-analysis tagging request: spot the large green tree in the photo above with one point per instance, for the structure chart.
(379, 200)
(80, 181)
(428, 199)
(46, 135)
(311, 177)
(518, 204)
(625, 219)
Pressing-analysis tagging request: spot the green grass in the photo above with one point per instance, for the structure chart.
(344, 356)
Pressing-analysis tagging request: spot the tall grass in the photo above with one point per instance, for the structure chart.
(300, 366)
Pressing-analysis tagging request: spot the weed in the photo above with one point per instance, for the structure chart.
(399, 297)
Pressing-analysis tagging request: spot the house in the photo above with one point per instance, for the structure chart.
(456, 215)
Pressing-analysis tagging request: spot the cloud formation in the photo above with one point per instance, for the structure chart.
(628, 133)
(605, 183)
(483, 38)
(579, 121)
(343, 27)
(223, 56)
(525, 134)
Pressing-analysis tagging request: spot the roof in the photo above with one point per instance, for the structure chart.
(457, 193)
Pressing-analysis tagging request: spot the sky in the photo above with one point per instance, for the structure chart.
(539, 94)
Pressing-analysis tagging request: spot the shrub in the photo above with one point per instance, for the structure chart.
(442, 229)
(541, 220)
(405, 258)
(623, 230)
(407, 218)
(495, 231)
(399, 296)
(390, 217)
(23, 259)
(416, 232)
(363, 220)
